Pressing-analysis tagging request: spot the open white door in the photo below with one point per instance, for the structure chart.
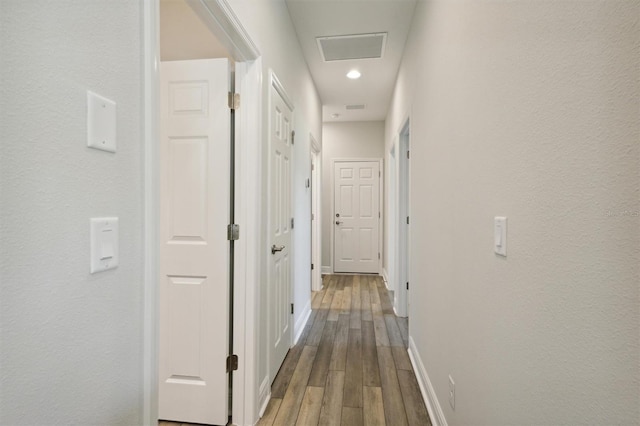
(356, 216)
(194, 251)
(280, 126)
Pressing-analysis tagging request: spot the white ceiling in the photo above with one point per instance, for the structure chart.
(321, 18)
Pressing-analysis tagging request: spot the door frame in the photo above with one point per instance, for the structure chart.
(392, 194)
(403, 209)
(275, 84)
(222, 21)
(316, 202)
(380, 205)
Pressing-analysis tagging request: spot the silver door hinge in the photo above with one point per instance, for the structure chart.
(378, 256)
(379, 174)
(292, 223)
(408, 155)
(313, 216)
(292, 309)
(293, 137)
(379, 215)
(234, 101)
(233, 232)
(232, 363)
(407, 220)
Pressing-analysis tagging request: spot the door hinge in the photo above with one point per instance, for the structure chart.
(379, 174)
(313, 167)
(379, 215)
(234, 101)
(408, 154)
(378, 256)
(292, 309)
(233, 232)
(313, 216)
(407, 220)
(407, 285)
(232, 363)
(293, 137)
(292, 223)
(312, 266)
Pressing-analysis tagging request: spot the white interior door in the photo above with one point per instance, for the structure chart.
(194, 251)
(280, 126)
(356, 216)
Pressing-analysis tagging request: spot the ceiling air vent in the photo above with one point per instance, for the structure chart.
(357, 46)
(350, 107)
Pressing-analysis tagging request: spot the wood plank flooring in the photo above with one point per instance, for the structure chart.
(350, 366)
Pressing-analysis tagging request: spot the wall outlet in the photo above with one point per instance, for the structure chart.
(452, 393)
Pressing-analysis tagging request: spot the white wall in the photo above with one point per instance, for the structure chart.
(270, 27)
(528, 110)
(358, 139)
(71, 342)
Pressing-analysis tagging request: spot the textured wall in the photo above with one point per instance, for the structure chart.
(528, 110)
(71, 342)
(362, 139)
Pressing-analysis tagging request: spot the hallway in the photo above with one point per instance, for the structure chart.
(350, 366)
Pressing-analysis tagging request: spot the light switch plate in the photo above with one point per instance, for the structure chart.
(104, 244)
(101, 122)
(500, 235)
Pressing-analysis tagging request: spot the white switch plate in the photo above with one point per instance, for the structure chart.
(104, 244)
(500, 235)
(101, 122)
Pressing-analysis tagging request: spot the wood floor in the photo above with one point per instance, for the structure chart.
(350, 366)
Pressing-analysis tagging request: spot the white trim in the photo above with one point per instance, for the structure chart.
(327, 270)
(426, 388)
(151, 58)
(302, 322)
(275, 82)
(316, 211)
(225, 25)
(248, 247)
(385, 277)
(265, 396)
(403, 236)
(380, 205)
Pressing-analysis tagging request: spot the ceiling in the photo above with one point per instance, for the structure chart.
(322, 18)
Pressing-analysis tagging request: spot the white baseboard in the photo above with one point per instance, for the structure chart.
(265, 395)
(385, 277)
(298, 328)
(327, 270)
(426, 388)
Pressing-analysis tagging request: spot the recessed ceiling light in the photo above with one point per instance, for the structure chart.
(353, 74)
(334, 115)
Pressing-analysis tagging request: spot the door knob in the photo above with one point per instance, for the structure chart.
(338, 222)
(275, 249)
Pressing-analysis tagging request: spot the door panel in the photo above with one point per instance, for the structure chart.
(279, 294)
(194, 251)
(356, 224)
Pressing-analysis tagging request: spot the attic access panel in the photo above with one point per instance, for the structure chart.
(356, 46)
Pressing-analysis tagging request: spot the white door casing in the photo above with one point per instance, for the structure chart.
(194, 251)
(356, 216)
(280, 217)
(316, 244)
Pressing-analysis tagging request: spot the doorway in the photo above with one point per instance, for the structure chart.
(225, 27)
(404, 221)
(357, 216)
(316, 220)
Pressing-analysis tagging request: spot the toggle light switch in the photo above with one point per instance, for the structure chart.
(104, 244)
(500, 235)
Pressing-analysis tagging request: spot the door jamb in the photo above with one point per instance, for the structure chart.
(316, 234)
(404, 210)
(221, 19)
(380, 205)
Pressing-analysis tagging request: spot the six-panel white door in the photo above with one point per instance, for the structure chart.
(356, 216)
(194, 251)
(279, 294)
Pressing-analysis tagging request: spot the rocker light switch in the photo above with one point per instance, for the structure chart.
(101, 123)
(104, 244)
